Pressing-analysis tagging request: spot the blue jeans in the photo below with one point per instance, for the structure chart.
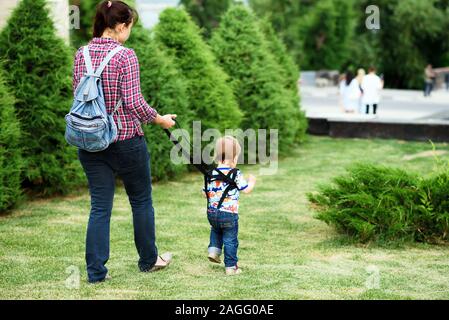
(428, 87)
(224, 233)
(130, 160)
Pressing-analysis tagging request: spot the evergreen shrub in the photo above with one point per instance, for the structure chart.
(210, 97)
(378, 203)
(38, 68)
(165, 89)
(10, 151)
(259, 81)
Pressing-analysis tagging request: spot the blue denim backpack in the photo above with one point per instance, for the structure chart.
(88, 125)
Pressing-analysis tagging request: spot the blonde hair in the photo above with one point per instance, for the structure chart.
(227, 148)
(360, 75)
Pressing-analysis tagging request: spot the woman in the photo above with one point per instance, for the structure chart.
(341, 91)
(429, 80)
(352, 93)
(128, 156)
(361, 73)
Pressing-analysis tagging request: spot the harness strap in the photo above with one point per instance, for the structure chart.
(201, 167)
(206, 185)
(205, 170)
(226, 178)
(230, 187)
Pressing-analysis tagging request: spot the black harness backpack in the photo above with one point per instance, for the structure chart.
(208, 172)
(229, 179)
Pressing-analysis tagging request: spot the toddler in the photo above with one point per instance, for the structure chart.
(223, 203)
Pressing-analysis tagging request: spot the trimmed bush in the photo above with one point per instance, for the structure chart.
(327, 32)
(166, 90)
(211, 98)
(289, 68)
(290, 72)
(258, 80)
(377, 203)
(38, 70)
(206, 14)
(434, 209)
(10, 152)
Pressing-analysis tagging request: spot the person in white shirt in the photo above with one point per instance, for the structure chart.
(351, 94)
(371, 86)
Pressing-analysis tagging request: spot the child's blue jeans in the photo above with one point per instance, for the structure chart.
(224, 233)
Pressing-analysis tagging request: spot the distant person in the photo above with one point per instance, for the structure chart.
(371, 86)
(352, 93)
(429, 79)
(341, 91)
(360, 76)
(446, 80)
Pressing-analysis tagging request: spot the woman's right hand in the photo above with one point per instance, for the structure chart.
(166, 122)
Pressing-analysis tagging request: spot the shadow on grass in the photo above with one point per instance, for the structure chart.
(346, 241)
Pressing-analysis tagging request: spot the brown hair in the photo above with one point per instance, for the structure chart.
(110, 14)
(227, 148)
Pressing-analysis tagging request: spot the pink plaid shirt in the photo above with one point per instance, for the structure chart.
(120, 79)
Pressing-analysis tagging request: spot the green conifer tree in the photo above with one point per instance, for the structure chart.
(38, 70)
(290, 72)
(211, 98)
(206, 13)
(259, 82)
(166, 90)
(11, 161)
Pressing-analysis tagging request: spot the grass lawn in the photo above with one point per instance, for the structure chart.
(284, 252)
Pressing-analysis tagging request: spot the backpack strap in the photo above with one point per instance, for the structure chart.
(106, 60)
(99, 71)
(88, 61)
(89, 68)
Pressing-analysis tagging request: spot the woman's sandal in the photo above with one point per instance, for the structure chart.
(166, 259)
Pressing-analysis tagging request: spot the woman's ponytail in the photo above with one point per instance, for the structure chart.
(111, 13)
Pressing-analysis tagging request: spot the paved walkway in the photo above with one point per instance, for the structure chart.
(396, 105)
